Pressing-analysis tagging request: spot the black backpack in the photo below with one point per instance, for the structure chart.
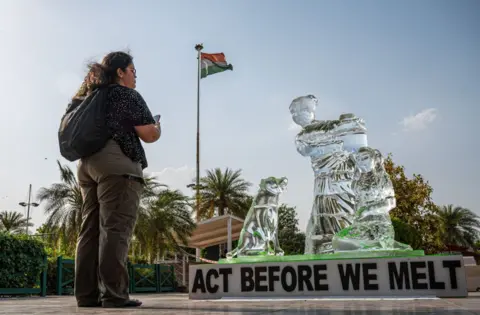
(83, 130)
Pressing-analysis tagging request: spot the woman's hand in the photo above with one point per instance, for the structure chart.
(149, 133)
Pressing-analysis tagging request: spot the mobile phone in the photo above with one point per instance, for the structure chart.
(157, 118)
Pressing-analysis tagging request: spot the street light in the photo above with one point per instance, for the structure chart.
(25, 204)
(194, 186)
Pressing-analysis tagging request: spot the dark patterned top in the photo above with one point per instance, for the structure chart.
(126, 109)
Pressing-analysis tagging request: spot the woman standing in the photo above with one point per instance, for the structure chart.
(111, 182)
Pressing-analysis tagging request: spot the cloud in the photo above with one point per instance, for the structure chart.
(176, 178)
(420, 120)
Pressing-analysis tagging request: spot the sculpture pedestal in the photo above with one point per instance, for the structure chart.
(331, 275)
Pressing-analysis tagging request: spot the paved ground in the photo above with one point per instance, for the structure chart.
(179, 304)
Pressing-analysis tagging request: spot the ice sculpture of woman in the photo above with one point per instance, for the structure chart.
(328, 144)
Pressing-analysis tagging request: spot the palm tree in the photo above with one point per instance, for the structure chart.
(63, 204)
(164, 224)
(460, 225)
(152, 188)
(223, 192)
(13, 222)
(245, 205)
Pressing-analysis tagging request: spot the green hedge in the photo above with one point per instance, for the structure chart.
(21, 261)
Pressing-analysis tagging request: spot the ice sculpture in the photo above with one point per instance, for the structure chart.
(328, 143)
(259, 235)
(372, 227)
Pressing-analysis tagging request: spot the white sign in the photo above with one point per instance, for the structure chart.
(441, 276)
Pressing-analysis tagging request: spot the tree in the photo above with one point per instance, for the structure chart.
(151, 189)
(244, 206)
(291, 240)
(287, 218)
(415, 207)
(459, 226)
(13, 222)
(164, 224)
(406, 234)
(54, 245)
(63, 204)
(223, 192)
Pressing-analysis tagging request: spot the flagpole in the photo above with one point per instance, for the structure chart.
(199, 48)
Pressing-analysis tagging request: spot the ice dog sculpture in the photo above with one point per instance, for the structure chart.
(259, 235)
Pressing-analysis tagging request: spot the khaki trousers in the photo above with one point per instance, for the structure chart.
(111, 186)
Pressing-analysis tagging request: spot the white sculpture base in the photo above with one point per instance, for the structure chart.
(423, 276)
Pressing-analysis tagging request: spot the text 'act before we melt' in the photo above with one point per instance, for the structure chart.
(405, 275)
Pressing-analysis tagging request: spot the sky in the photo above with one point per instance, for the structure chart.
(410, 69)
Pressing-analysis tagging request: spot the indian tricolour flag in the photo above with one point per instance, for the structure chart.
(214, 63)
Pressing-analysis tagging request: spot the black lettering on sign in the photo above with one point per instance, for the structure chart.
(246, 279)
(399, 277)
(417, 276)
(304, 275)
(349, 275)
(431, 277)
(273, 277)
(318, 276)
(367, 276)
(225, 272)
(208, 282)
(452, 265)
(293, 279)
(259, 277)
(198, 282)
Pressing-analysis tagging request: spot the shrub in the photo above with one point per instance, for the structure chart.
(21, 261)
(138, 259)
